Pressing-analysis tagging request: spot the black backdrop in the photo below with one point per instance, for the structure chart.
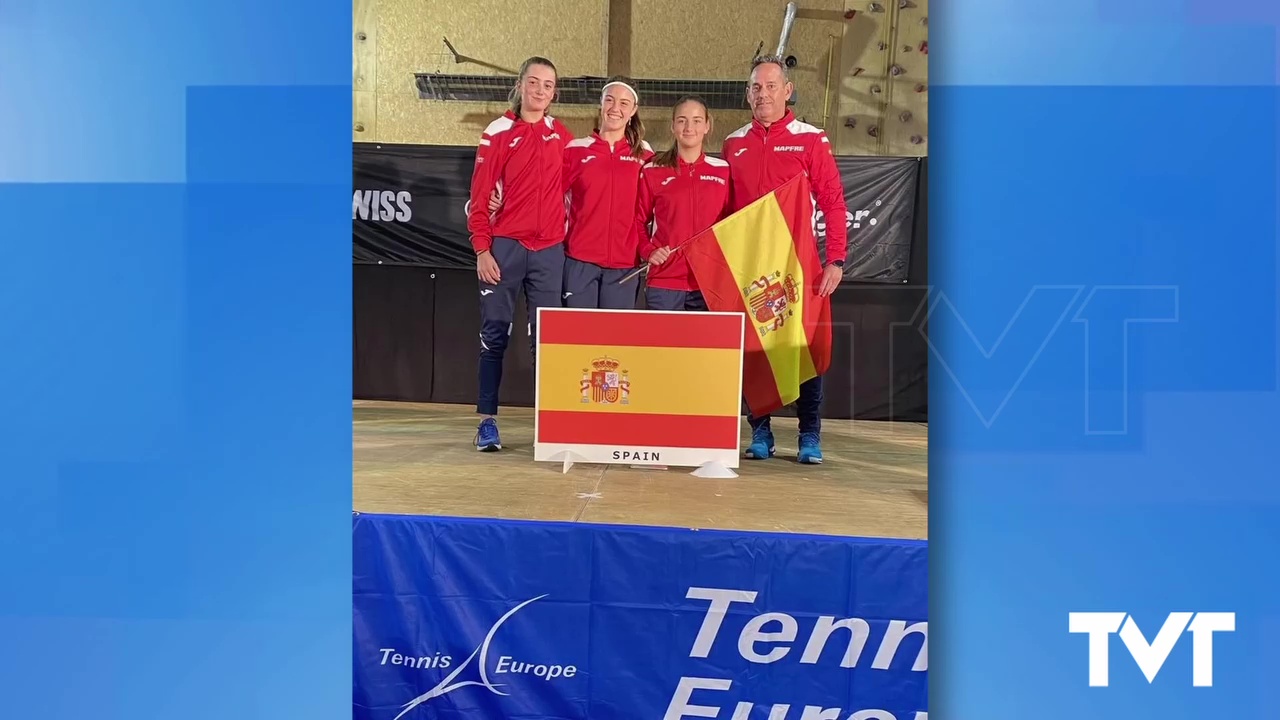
(416, 321)
(409, 207)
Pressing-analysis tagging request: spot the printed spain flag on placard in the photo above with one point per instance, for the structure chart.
(763, 261)
(638, 387)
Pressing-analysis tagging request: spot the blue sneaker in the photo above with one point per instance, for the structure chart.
(487, 439)
(761, 447)
(810, 448)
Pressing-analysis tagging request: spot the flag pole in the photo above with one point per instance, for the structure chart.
(634, 273)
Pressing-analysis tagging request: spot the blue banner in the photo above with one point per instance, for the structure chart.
(459, 618)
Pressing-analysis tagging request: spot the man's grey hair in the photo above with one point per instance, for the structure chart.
(770, 60)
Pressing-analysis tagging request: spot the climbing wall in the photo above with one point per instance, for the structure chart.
(861, 67)
(884, 87)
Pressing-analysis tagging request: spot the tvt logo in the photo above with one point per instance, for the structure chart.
(1150, 657)
(988, 363)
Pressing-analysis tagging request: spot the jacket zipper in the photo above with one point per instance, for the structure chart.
(692, 199)
(608, 246)
(764, 166)
(542, 161)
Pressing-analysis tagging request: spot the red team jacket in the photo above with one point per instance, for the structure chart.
(761, 159)
(526, 160)
(601, 197)
(682, 201)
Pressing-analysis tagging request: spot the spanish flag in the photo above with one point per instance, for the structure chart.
(762, 261)
(642, 387)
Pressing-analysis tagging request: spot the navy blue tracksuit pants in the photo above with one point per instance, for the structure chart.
(540, 274)
(587, 285)
(677, 300)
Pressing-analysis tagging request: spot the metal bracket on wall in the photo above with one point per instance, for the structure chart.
(719, 94)
(459, 58)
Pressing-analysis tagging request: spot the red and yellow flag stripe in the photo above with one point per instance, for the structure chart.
(639, 379)
(763, 261)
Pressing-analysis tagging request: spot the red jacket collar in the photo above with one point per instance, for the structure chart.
(622, 147)
(783, 121)
(515, 117)
(681, 163)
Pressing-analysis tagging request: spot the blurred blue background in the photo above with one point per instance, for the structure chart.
(176, 437)
(1104, 228)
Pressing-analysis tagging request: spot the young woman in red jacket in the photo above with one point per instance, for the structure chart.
(601, 176)
(683, 191)
(521, 245)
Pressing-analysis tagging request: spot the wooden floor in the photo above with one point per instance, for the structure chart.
(419, 459)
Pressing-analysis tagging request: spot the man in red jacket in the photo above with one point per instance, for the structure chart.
(767, 152)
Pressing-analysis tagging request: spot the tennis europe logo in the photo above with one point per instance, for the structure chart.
(479, 668)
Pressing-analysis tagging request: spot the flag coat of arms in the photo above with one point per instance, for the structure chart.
(638, 387)
(762, 262)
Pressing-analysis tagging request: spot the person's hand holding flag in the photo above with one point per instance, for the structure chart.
(659, 256)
